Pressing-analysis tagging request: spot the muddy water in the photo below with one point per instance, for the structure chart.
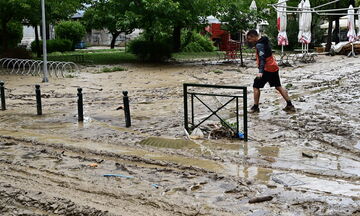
(308, 161)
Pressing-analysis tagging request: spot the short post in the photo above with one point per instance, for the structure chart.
(38, 99)
(127, 109)
(246, 136)
(80, 105)
(2, 95)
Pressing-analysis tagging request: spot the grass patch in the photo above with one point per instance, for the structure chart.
(218, 71)
(195, 55)
(113, 69)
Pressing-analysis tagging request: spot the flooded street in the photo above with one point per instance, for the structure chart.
(306, 163)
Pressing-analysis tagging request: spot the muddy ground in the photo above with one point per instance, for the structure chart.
(307, 163)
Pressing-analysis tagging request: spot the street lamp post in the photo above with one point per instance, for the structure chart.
(46, 74)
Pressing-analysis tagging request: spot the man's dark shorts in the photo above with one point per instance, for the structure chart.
(268, 77)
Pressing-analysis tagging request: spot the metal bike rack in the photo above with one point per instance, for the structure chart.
(194, 95)
(34, 67)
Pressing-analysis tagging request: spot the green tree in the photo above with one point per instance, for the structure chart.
(11, 11)
(71, 30)
(239, 18)
(110, 15)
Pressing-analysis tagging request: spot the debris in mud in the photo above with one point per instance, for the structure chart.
(261, 199)
(286, 179)
(197, 134)
(308, 154)
(118, 175)
(221, 132)
(93, 165)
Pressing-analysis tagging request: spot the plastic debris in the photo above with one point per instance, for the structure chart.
(118, 175)
(93, 165)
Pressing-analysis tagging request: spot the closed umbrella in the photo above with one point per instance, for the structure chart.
(281, 24)
(358, 34)
(253, 5)
(351, 28)
(351, 24)
(301, 23)
(307, 18)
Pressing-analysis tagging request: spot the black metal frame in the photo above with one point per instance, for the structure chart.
(194, 95)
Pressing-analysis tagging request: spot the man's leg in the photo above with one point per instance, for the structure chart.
(289, 106)
(255, 108)
(283, 93)
(256, 96)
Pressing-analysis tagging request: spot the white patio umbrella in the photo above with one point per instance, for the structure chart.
(358, 34)
(351, 28)
(301, 23)
(307, 18)
(253, 5)
(254, 8)
(282, 24)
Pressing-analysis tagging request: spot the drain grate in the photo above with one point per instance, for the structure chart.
(286, 179)
(168, 143)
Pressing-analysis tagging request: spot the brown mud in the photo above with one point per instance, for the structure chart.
(306, 163)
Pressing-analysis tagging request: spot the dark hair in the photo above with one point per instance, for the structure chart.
(252, 33)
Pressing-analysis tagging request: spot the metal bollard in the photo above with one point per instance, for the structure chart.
(2, 95)
(80, 105)
(127, 109)
(38, 99)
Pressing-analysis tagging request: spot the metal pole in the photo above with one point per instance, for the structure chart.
(80, 105)
(127, 109)
(46, 75)
(2, 95)
(186, 109)
(237, 116)
(38, 99)
(192, 110)
(245, 115)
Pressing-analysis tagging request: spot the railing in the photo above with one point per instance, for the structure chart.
(232, 97)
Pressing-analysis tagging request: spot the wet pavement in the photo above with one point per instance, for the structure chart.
(308, 162)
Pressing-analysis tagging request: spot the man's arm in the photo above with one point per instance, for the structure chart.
(262, 60)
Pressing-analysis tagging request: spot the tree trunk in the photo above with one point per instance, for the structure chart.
(4, 35)
(47, 31)
(113, 40)
(37, 42)
(241, 51)
(329, 37)
(337, 30)
(177, 38)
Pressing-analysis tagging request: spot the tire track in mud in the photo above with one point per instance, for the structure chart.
(17, 174)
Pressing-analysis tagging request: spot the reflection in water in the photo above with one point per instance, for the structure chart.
(259, 173)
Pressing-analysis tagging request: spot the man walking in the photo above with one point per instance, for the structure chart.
(268, 71)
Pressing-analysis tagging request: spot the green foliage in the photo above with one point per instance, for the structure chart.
(14, 34)
(56, 45)
(239, 18)
(20, 53)
(195, 42)
(153, 51)
(110, 15)
(113, 69)
(70, 30)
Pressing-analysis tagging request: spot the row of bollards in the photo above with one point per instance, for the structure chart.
(80, 103)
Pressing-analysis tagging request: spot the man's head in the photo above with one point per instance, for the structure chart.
(252, 36)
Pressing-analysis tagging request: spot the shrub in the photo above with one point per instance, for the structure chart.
(56, 45)
(14, 34)
(71, 30)
(20, 53)
(156, 51)
(195, 42)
